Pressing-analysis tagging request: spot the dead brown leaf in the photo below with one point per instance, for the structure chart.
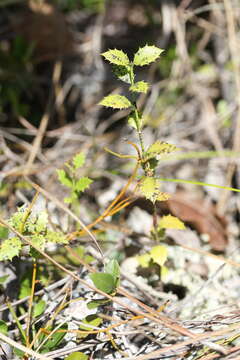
(202, 217)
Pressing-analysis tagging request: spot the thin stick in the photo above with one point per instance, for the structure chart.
(30, 308)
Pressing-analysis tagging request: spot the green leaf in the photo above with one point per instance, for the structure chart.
(146, 55)
(113, 269)
(117, 57)
(3, 232)
(159, 254)
(104, 282)
(116, 102)
(64, 178)
(92, 320)
(139, 87)
(149, 187)
(3, 327)
(77, 355)
(171, 222)
(95, 303)
(39, 308)
(82, 184)
(122, 73)
(79, 160)
(160, 147)
(10, 248)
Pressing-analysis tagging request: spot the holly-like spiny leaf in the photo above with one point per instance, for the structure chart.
(116, 102)
(82, 184)
(117, 57)
(10, 248)
(149, 187)
(146, 55)
(160, 147)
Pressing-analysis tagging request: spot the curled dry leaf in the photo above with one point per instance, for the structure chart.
(202, 216)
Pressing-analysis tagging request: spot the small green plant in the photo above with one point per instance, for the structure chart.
(34, 228)
(149, 184)
(71, 180)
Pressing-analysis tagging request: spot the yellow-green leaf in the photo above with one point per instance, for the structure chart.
(144, 260)
(82, 184)
(10, 248)
(146, 55)
(116, 102)
(160, 147)
(171, 222)
(117, 57)
(149, 187)
(159, 254)
(140, 87)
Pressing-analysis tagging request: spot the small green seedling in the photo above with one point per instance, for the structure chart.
(123, 68)
(148, 159)
(34, 228)
(71, 180)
